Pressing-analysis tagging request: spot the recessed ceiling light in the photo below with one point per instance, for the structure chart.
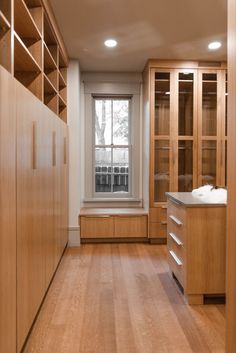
(214, 45)
(110, 43)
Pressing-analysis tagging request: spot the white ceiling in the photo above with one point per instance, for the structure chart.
(163, 29)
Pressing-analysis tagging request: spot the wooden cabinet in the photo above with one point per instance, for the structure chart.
(187, 130)
(196, 245)
(33, 160)
(7, 214)
(111, 223)
(41, 204)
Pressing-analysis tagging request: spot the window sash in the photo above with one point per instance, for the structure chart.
(112, 146)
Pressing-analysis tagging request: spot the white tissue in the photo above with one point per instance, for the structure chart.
(207, 193)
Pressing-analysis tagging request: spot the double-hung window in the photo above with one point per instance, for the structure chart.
(112, 146)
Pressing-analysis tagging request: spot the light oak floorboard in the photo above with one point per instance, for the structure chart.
(120, 298)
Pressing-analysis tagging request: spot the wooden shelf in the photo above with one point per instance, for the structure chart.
(49, 62)
(5, 8)
(23, 59)
(63, 114)
(5, 48)
(62, 82)
(52, 76)
(24, 24)
(49, 89)
(62, 104)
(32, 51)
(33, 3)
(62, 94)
(49, 36)
(4, 25)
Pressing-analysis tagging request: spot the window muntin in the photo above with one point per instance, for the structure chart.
(112, 148)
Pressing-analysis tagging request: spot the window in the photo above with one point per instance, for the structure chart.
(112, 146)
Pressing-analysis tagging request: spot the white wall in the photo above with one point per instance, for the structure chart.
(74, 123)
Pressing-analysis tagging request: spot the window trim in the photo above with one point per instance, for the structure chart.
(113, 195)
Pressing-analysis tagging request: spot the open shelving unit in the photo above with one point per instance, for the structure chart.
(31, 49)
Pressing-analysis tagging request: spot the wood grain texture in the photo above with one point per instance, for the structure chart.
(120, 298)
(231, 172)
(7, 213)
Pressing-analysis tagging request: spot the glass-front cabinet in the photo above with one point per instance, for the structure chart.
(212, 127)
(188, 128)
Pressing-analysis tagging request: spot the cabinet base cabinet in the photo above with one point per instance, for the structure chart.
(112, 226)
(196, 248)
(33, 208)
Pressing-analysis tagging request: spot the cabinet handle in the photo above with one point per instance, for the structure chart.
(175, 220)
(176, 239)
(176, 259)
(54, 148)
(164, 207)
(65, 151)
(221, 154)
(34, 145)
(163, 223)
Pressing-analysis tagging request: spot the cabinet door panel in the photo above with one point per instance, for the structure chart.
(7, 214)
(130, 226)
(96, 227)
(30, 258)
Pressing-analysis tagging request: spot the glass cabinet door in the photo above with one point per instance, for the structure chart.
(162, 104)
(209, 104)
(161, 170)
(209, 162)
(185, 113)
(185, 166)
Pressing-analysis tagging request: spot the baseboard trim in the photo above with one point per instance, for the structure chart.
(74, 236)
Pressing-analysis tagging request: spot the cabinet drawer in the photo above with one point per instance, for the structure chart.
(157, 230)
(175, 243)
(176, 266)
(158, 214)
(177, 229)
(96, 227)
(130, 226)
(177, 211)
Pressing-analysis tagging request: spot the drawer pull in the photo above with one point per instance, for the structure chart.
(177, 260)
(176, 220)
(164, 207)
(163, 223)
(176, 239)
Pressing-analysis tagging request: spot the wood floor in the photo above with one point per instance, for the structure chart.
(120, 298)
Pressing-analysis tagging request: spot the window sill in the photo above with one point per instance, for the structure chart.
(106, 199)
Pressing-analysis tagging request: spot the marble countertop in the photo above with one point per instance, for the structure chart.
(188, 200)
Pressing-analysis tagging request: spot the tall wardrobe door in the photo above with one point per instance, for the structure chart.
(64, 184)
(46, 162)
(30, 258)
(7, 214)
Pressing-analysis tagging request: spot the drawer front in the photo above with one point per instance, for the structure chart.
(175, 243)
(158, 214)
(130, 226)
(174, 227)
(157, 230)
(176, 266)
(96, 227)
(177, 211)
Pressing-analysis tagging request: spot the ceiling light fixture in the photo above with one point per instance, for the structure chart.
(214, 45)
(110, 43)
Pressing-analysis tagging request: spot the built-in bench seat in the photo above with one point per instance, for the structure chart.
(113, 224)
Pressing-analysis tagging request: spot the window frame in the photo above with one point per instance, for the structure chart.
(129, 146)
